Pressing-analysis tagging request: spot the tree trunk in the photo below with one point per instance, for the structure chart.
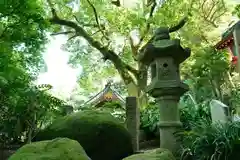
(142, 83)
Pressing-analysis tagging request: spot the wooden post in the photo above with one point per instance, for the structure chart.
(132, 121)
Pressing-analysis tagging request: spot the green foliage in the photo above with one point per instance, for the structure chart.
(120, 88)
(206, 141)
(116, 109)
(210, 63)
(22, 31)
(207, 77)
(149, 118)
(191, 114)
(25, 107)
(233, 98)
(237, 10)
(59, 148)
(99, 133)
(24, 111)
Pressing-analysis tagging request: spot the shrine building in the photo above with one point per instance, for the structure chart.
(231, 41)
(108, 94)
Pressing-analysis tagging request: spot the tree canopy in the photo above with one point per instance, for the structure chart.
(23, 27)
(100, 31)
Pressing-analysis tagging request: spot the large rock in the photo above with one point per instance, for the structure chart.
(156, 154)
(101, 135)
(59, 148)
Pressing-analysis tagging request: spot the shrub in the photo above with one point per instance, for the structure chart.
(113, 107)
(206, 142)
(149, 118)
(100, 134)
(189, 116)
(192, 113)
(59, 148)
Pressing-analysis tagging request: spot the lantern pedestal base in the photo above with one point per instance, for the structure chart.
(169, 121)
(167, 138)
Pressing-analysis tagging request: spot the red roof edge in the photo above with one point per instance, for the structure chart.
(223, 40)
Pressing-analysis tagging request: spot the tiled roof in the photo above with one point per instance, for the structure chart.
(106, 94)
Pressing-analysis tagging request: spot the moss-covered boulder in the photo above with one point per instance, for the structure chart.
(156, 154)
(101, 135)
(59, 148)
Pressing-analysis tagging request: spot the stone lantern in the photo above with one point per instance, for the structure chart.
(163, 56)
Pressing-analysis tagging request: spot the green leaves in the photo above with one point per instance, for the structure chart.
(237, 10)
(23, 27)
(149, 119)
(211, 63)
(207, 141)
(22, 39)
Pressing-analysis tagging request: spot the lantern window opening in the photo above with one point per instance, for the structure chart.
(153, 70)
(165, 65)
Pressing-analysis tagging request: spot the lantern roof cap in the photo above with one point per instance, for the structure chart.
(164, 48)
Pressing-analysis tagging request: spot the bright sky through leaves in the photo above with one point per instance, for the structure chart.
(60, 75)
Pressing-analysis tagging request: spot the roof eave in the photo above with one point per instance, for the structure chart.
(223, 41)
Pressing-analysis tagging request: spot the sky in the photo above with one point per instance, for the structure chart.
(59, 74)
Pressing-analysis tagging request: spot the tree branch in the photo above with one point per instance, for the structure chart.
(210, 10)
(53, 11)
(84, 24)
(97, 20)
(211, 22)
(148, 23)
(121, 66)
(179, 25)
(209, 14)
(74, 36)
(67, 32)
(135, 48)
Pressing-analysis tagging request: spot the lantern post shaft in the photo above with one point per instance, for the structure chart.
(169, 121)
